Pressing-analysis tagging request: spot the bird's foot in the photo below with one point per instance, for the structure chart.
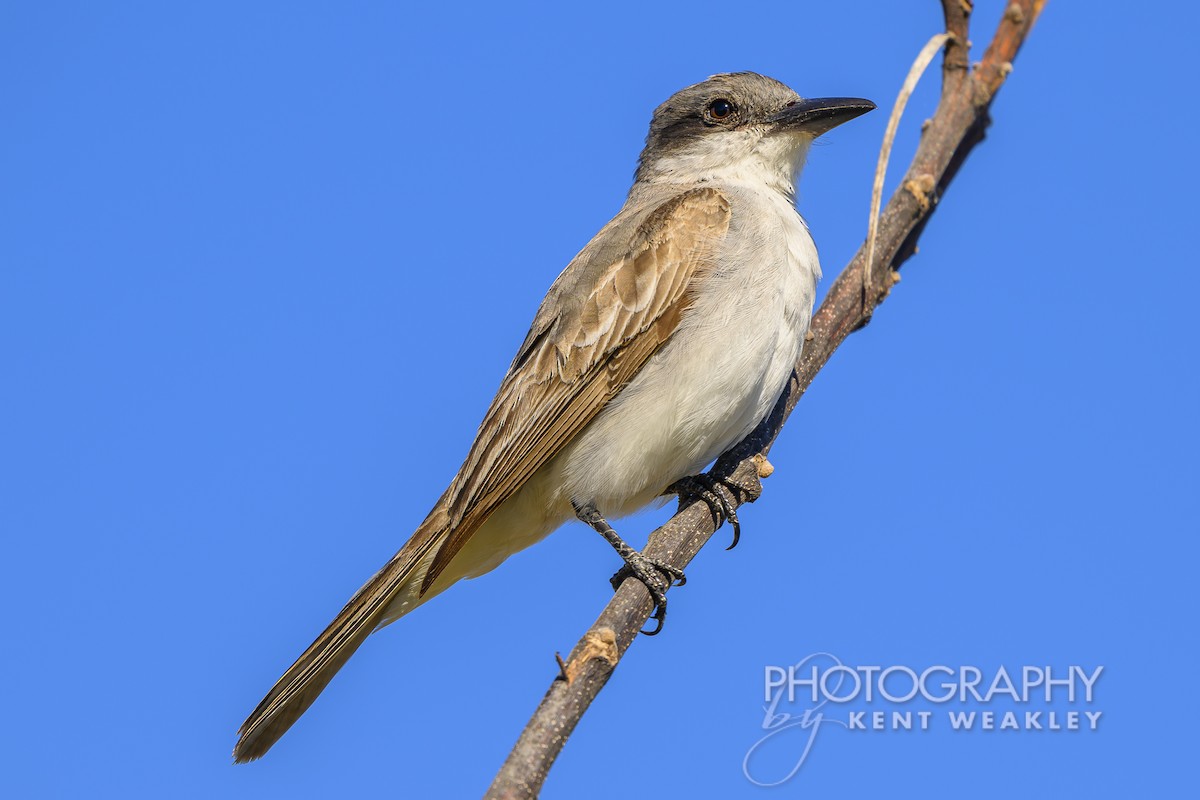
(717, 494)
(655, 575)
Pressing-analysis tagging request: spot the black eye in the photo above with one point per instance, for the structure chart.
(720, 108)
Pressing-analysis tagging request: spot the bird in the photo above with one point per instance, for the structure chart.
(665, 341)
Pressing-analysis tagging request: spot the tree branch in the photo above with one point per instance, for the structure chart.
(957, 126)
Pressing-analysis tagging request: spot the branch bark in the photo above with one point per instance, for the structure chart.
(959, 124)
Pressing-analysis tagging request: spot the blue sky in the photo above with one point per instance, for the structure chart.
(245, 248)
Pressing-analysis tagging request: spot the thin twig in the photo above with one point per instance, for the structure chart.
(885, 151)
(955, 129)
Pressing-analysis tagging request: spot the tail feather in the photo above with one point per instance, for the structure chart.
(293, 693)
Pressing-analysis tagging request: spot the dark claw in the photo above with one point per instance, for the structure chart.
(660, 608)
(731, 515)
(660, 616)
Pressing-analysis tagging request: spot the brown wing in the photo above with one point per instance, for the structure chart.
(586, 344)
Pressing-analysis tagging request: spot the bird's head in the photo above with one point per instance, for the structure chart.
(738, 127)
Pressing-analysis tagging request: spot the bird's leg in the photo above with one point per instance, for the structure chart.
(655, 575)
(717, 494)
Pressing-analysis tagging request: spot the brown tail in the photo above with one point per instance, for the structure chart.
(298, 688)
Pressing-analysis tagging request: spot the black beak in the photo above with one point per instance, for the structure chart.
(821, 114)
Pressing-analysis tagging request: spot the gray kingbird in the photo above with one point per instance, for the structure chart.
(662, 344)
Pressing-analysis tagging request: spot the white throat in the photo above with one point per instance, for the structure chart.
(746, 157)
